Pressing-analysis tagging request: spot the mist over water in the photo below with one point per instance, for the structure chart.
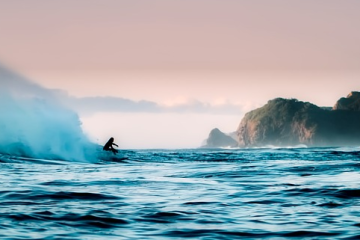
(33, 122)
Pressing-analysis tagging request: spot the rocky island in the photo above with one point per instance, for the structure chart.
(219, 139)
(289, 122)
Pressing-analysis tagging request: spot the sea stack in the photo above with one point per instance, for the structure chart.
(219, 139)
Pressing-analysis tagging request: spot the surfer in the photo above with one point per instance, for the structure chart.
(109, 146)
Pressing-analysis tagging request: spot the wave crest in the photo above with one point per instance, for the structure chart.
(35, 124)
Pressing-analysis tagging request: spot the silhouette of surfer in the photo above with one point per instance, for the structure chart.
(109, 146)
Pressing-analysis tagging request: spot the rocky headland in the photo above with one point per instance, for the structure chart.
(289, 122)
(219, 139)
(350, 103)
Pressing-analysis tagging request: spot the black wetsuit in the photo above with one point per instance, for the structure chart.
(109, 146)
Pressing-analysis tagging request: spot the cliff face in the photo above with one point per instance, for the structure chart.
(289, 122)
(350, 103)
(219, 139)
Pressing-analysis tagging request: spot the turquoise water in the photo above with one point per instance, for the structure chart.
(304, 193)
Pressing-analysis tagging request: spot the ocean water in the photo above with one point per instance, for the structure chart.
(270, 193)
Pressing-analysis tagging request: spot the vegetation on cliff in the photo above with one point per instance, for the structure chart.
(289, 122)
(351, 102)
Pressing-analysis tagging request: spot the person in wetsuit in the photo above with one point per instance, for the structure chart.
(109, 146)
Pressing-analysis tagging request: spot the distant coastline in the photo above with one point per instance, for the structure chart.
(290, 122)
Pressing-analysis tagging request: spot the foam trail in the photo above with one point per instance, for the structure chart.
(33, 123)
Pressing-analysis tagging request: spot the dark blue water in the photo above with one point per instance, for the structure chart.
(304, 193)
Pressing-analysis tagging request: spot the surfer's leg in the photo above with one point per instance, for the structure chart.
(114, 151)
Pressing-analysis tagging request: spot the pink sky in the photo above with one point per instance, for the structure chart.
(176, 51)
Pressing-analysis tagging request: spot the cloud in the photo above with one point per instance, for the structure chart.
(19, 85)
(92, 105)
(89, 105)
(195, 106)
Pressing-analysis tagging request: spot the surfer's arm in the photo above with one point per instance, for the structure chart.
(115, 144)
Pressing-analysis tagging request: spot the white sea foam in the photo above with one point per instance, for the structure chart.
(230, 148)
(276, 147)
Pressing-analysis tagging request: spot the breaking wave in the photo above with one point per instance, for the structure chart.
(34, 123)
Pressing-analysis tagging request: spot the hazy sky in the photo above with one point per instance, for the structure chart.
(183, 52)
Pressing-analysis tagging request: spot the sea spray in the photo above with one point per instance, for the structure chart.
(33, 123)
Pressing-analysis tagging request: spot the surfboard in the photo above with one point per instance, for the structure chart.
(118, 159)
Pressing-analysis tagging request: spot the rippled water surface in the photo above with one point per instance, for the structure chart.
(305, 193)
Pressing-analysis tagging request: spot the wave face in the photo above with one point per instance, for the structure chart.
(33, 123)
(300, 193)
